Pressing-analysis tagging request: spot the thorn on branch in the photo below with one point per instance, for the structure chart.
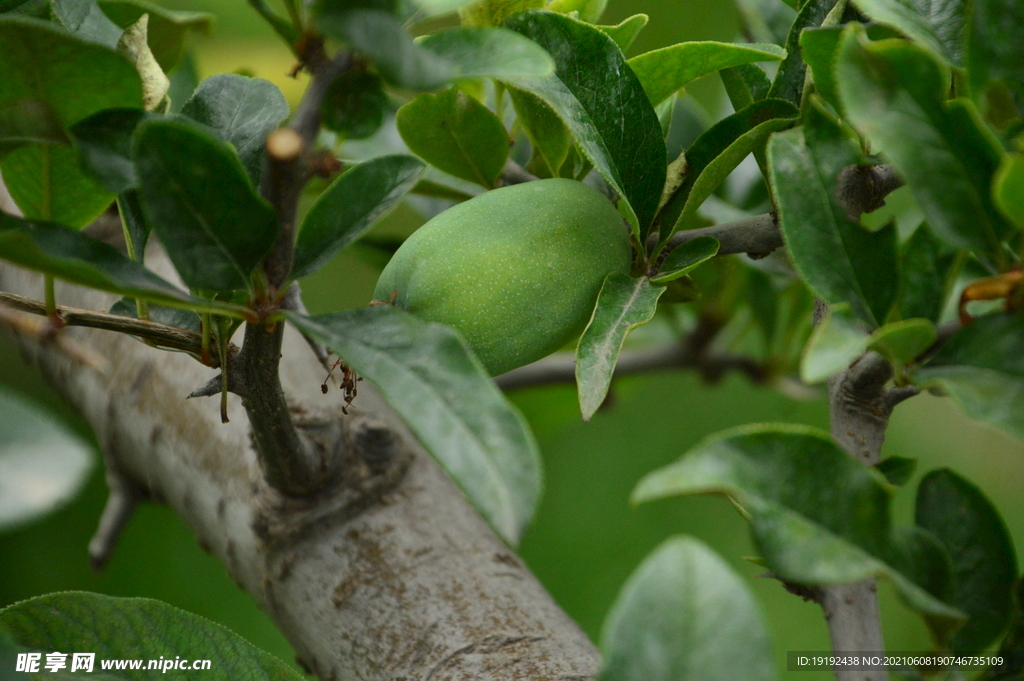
(124, 498)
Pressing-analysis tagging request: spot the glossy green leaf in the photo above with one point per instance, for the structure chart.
(439, 58)
(47, 183)
(350, 206)
(72, 256)
(685, 614)
(355, 104)
(85, 19)
(982, 369)
(682, 259)
(601, 101)
(626, 31)
(808, 533)
(893, 93)
(548, 136)
(491, 52)
(431, 378)
(938, 25)
(51, 81)
(745, 84)
(1008, 188)
(979, 545)
(196, 196)
(167, 28)
(904, 341)
(840, 338)
(927, 273)
(837, 340)
(819, 47)
(455, 133)
(789, 79)
(240, 110)
(134, 628)
(993, 53)
(104, 143)
(623, 304)
(717, 152)
(897, 469)
(42, 464)
(840, 260)
(669, 69)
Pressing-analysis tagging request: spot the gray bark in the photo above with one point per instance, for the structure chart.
(391, 575)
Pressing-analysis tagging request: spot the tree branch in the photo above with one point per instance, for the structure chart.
(389, 573)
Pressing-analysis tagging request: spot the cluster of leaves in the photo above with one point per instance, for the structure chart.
(87, 120)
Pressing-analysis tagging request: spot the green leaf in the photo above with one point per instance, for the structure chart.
(893, 93)
(897, 469)
(1008, 188)
(354, 105)
(983, 559)
(42, 464)
(745, 84)
(134, 628)
(548, 136)
(819, 47)
(717, 152)
(789, 80)
(601, 101)
(982, 369)
(1012, 647)
(766, 21)
(588, 10)
(837, 340)
(134, 221)
(104, 143)
(454, 54)
(682, 259)
(996, 32)
(625, 32)
(168, 316)
(938, 25)
(350, 206)
(839, 259)
(490, 52)
(807, 532)
(80, 259)
(47, 183)
(904, 341)
(669, 69)
(455, 133)
(623, 304)
(85, 19)
(51, 81)
(685, 614)
(167, 28)
(195, 195)
(495, 12)
(431, 378)
(240, 110)
(927, 273)
(840, 339)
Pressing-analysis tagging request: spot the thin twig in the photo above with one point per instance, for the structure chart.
(513, 173)
(162, 335)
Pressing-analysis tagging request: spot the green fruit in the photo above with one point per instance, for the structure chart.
(517, 270)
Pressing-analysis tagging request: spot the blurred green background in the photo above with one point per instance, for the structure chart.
(586, 538)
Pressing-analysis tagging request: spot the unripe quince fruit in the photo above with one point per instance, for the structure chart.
(517, 270)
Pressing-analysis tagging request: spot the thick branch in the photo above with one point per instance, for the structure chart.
(391, 574)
